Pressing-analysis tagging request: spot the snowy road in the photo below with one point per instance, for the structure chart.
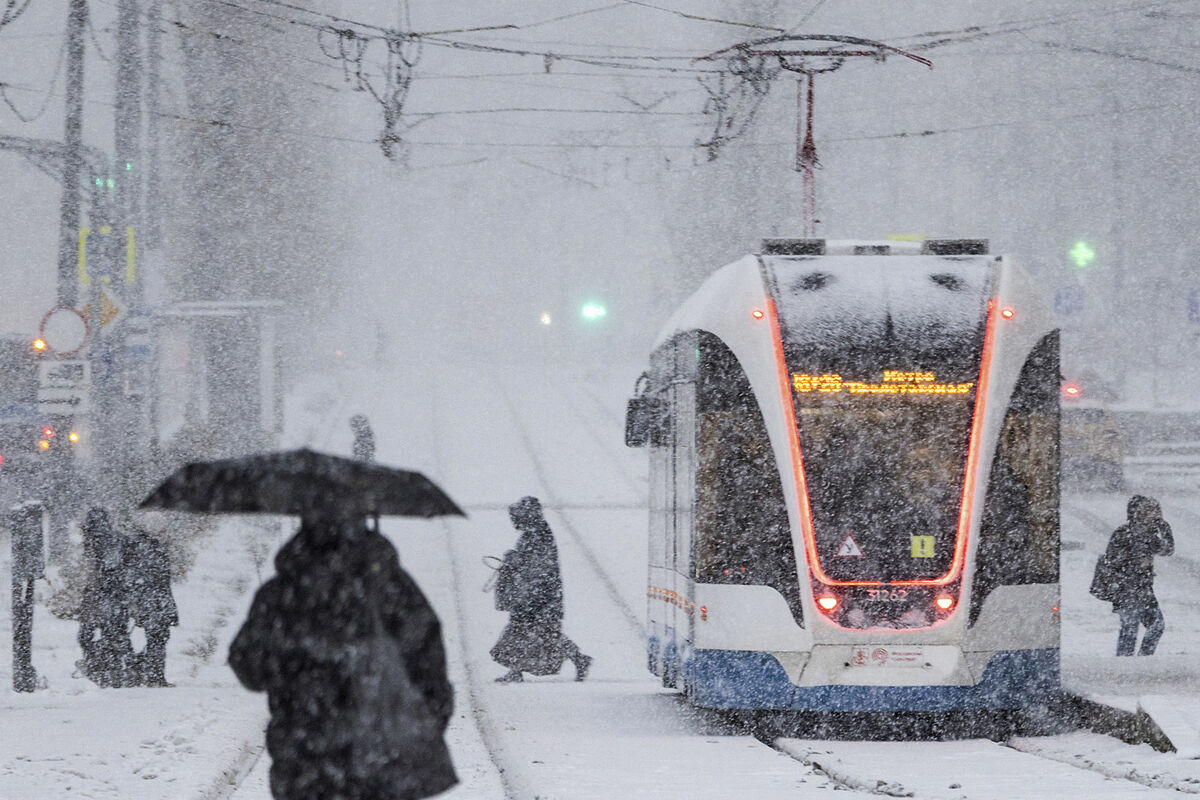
(489, 437)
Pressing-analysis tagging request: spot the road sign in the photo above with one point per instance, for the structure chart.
(1069, 300)
(64, 329)
(1194, 305)
(63, 386)
(849, 548)
(111, 307)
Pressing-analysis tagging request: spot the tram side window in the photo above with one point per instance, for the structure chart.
(1019, 533)
(742, 531)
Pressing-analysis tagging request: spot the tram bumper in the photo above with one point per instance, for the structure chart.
(860, 678)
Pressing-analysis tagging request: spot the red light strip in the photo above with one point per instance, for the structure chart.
(966, 505)
(797, 459)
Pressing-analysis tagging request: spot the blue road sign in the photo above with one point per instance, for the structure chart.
(1194, 305)
(1069, 300)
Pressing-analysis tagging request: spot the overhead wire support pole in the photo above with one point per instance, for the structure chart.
(807, 62)
(72, 162)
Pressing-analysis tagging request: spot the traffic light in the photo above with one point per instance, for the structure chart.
(593, 311)
(1082, 254)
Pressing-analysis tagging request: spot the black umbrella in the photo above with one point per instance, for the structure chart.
(300, 482)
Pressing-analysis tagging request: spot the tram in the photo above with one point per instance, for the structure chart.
(854, 482)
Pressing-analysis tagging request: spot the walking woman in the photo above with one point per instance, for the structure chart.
(529, 587)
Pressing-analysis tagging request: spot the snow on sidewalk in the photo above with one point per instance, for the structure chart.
(72, 738)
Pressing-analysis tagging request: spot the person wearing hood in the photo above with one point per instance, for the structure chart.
(151, 602)
(350, 655)
(529, 586)
(104, 607)
(1128, 574)
(364, 438)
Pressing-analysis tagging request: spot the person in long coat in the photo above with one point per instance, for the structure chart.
(364, 438)
(1130, 556)
(529, 586)
(151, 602)
(350, 655)
(104, 607)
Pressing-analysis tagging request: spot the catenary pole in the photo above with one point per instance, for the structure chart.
(72, 163)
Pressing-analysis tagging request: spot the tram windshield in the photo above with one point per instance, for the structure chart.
(883, 356)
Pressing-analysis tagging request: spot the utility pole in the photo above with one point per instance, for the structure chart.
(127, 126)
(152, 212)
(68, 232)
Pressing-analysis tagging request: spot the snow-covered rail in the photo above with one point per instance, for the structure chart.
(1078, 765)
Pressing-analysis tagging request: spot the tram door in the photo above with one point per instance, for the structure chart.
(682, 482)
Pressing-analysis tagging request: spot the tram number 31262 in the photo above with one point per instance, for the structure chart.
(888, 595)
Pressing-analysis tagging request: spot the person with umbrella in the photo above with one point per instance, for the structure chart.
(529, 587)
(343, 642)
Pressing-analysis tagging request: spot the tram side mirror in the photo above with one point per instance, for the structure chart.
(645, 422)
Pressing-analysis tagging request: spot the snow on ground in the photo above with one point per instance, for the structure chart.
(489, 436)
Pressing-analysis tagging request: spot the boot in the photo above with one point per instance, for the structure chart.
(582, 665)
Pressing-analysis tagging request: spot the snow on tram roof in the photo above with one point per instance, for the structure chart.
(739, 283)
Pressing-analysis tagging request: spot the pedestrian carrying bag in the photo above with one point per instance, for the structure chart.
(394, 731)
(1103, 583)
(506, 584)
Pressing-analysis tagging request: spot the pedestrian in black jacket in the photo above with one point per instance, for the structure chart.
(1130, 573)
(350, 655)
(529, 587)
(151, 602)
(104, 608)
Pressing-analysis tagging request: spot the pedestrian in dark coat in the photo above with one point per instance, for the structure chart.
(1130, 569)
(364, 438)
(529, 587)
(104, 607)
(350, 655)
(151, 602)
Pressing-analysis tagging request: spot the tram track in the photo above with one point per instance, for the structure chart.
(540, 471)
(822, 755)
(483, 723)
(1068, 765)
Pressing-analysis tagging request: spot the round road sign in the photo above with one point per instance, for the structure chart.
(65, 330)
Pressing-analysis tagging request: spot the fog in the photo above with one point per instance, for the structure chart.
(470, 220)
(1040, 125)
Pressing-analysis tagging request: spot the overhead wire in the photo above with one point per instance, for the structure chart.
(644, 4)
(12, 10)
(1126, 56)
(58, 64)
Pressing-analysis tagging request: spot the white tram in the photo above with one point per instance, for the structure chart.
(854, 482)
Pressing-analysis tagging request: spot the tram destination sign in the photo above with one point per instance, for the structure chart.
(893, 382)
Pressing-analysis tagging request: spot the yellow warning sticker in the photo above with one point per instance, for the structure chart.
(922, 547)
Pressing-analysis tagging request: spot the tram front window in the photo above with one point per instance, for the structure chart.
(883, 356)
(885, 483)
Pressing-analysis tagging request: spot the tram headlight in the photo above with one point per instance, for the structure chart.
(827, 602)
(944, 603)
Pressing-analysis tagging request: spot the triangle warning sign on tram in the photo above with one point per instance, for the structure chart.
(849, 548)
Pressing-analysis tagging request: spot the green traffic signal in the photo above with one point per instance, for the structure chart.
(593, 311)
(1082, 254)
